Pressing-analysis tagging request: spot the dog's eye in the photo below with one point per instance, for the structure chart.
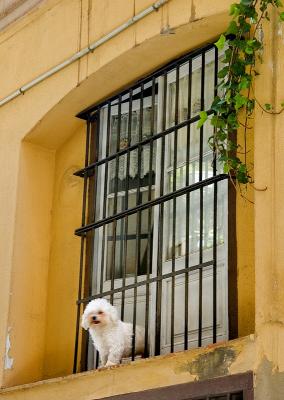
(100, 312)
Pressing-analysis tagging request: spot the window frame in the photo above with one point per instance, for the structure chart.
(87, 239)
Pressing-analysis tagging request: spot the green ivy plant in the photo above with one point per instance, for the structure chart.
(234, 105)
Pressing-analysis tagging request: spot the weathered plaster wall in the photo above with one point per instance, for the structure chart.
(245, 244)
(31, 259)
(62, 287)
(269, 217)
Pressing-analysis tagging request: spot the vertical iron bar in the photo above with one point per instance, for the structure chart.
(121, 239)
(79, 306)
(105, 196)
(114, 224)
(92, 197)
(187, 207)
(201, 205)
(82, 251)
(126, 202)
(174, 212)
(161, 230)
(150, 236)
(92, 204)
(138, 226)
(215, 209)
(104, 210)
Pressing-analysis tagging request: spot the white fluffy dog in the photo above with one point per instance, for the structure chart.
(112, 337)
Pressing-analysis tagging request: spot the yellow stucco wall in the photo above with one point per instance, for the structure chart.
(30, 260)
(42, 143)
(62, 286)
(245, 244)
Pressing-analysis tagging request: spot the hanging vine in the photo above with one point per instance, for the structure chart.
(234, 105)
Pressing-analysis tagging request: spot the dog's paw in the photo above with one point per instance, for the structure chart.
(110, 364)
(101, 367)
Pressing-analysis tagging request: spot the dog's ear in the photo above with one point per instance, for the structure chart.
(113, 314)
(85, 322)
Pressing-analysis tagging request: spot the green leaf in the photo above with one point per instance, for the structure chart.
(242, 174)
(252, 45)
(228, 96)
(220, 44)
(218, 122)
(250, 105)
(226, 168)
(243, 168)
(240, 101)
(281, 16)
(233, 121)
(234, 9)
(203, 118)
(245, 82)
(239, 67)
(223, 72)
(232, 28)
(246, 2)
(228, 56)
(223, 157)
(268, 106)
(249, 50)
(282, 104)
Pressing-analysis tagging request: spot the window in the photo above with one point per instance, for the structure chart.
(155, 215)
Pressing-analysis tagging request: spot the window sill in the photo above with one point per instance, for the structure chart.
(216, 360)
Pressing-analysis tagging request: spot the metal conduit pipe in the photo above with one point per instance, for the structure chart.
(154, 7)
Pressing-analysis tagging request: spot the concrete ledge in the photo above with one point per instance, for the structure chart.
(221, 359)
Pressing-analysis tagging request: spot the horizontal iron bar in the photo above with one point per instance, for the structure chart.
(146, 281)
(128, 237)
(90, 168)
(148, 204)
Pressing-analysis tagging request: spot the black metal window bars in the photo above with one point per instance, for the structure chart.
(154, 233)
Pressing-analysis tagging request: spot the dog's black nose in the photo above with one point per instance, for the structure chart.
(94, 318)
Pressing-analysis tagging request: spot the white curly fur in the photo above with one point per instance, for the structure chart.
(111, 337)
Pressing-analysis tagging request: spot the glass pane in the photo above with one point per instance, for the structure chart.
(194, 220)
(127, 231)
(196, 86)
(209, 81)
(180, 160)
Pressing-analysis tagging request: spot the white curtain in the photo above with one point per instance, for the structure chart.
(145, 150)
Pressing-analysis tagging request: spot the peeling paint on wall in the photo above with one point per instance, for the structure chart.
(269, 382)
(212, 364)
(8, 360)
